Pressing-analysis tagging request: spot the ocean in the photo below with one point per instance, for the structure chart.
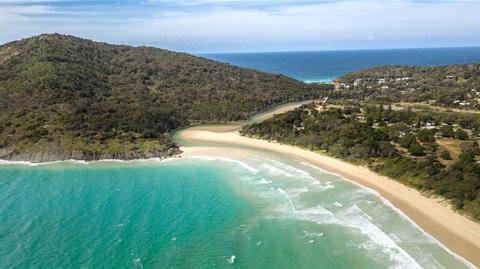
(325, 66)
(260, 210)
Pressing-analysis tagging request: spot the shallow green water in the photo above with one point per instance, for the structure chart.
(258, 211)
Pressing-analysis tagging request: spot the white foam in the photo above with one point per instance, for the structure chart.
(316, 211)
(282, 192)
(274, 170)
(216, 158)
(354, 209)
(311, 235)
(378, 242)
(291, 170)
(81, 161)
(395, 238)
(293, 192)
(316, 168)
(337, 204)
(138, 262)
(434, 240)
(364, 189)
(232, 259)
(328, 185)
(316, 214)
(5, 162)
(264, 181)
(357, 221)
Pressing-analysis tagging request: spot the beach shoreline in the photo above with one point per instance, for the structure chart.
(458, 233)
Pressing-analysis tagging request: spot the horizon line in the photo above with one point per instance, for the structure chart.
(334, 50)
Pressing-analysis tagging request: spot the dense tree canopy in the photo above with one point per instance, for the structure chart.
(72, 93)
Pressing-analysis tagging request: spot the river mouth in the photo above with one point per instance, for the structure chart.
(179, 136)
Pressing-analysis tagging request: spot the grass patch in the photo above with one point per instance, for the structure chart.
(452, 146)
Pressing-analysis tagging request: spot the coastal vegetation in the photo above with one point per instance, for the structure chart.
(405, 145)
(453, 86)
(65, 97)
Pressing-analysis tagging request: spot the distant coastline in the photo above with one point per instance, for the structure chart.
(326, 66)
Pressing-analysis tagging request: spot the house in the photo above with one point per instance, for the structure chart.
(357, 81)
(345, 86)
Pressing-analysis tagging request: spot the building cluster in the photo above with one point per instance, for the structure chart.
(471, 99)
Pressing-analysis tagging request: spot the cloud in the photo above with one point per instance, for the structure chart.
(229, 25)
(320, 23)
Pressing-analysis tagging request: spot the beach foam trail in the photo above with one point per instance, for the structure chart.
(302, 187)
(357, 222)
(291, 170)
(425, 237)
(275, 171)
(264, 181)
(228, 160)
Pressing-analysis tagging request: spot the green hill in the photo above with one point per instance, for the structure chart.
(64, 97)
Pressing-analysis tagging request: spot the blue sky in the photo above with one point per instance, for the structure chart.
(203, 26)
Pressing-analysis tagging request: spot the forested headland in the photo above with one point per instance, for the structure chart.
(64, 97)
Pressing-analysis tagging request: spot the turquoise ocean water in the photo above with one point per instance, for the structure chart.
(257, 210)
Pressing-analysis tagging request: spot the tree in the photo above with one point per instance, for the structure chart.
(426, 136)
(444, 154)
(416, 149)
(461, 134)
(407, 140)
(470, 147)
(466, 157)
(447, 131)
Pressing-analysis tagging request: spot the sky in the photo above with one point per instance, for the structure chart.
(210, 26)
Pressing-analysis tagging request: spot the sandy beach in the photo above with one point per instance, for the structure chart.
(460, 234)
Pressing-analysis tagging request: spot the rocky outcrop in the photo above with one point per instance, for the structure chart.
(58, 155)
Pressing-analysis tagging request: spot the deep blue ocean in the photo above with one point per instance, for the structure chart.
(250, 210)
(325, 66)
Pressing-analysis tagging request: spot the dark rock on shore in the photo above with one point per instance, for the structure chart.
(52, 156)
